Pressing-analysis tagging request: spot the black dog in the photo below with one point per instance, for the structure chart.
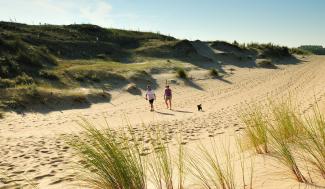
(199, 107)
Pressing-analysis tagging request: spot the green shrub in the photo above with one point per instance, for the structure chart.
(181, 73)
(299, 51)
(269, 50)
(214, 73)
(24, 79)
(7, 83)
(315, 49)
(265, 63)
(48, 75)
(9, 67)
(29, 58)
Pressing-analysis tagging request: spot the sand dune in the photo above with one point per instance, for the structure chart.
(32, 147)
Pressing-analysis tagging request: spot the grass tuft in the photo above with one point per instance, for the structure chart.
(277, 133)
(256, 129)
(285, 155)
(265, 63)
(214, 73)
(109, 162)
(215, 168)
(314, 145)
(181, 73)
(288, 123)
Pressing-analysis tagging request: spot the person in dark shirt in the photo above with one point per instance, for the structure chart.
(168, 97)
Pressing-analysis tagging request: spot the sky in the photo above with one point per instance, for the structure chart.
(284, 22)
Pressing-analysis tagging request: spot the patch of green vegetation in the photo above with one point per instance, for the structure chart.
(315, 49)
(265, 63)
(286, 134)
(21, 62)
(227, 47)
(265, 51)
(23, 98)
(81, 41)
(181, 73)
(300, 51)
(269, 50)
(214, 73)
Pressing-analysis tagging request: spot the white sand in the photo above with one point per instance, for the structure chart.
(31, 147)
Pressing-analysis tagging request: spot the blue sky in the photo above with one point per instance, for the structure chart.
(285, 22)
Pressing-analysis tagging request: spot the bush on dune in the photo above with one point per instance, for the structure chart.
(265, 63)
(181, 73)
(214, 73)
(299, 51)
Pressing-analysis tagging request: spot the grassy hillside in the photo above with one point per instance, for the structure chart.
(43, 64)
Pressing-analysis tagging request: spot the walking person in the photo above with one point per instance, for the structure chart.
(151, 96)
(168, 97)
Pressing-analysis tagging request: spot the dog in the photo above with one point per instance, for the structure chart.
(199, 107)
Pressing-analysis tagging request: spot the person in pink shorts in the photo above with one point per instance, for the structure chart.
(168, 97)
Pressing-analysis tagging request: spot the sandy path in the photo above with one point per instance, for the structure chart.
(31, 146)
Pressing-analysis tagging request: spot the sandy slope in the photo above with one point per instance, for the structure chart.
(31, 145)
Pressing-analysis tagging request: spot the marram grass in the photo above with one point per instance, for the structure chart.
(256, 129)
(213, 168)
(108, 162)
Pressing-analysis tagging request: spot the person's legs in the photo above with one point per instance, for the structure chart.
(166, 101)
(170, 103)
(151, 105)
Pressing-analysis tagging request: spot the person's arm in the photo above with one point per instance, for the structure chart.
(154, 95)
(165, 95)
(146, 96)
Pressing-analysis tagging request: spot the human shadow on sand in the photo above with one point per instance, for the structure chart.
(164, 113)
(182, 111)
